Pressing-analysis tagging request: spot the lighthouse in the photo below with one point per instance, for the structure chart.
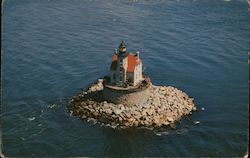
(126, 68)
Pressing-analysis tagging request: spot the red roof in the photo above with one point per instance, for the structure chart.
(133, 60)
(114, 63)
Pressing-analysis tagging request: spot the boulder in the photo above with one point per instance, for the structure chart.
(170, 119)
(108, 111)
(117, 111)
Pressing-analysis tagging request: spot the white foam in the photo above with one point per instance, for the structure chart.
(52, 106)
(197, 122)
(162, 133)
(71, 112)
(32, 118)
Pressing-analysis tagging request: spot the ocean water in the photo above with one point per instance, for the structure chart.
(52, 49)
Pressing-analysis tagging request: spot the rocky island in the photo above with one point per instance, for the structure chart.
(127, 98)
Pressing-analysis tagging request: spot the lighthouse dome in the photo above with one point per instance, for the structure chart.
(122, 47)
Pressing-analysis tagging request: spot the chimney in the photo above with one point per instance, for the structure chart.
(137, 54)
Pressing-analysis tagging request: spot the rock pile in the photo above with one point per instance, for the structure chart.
(165, 106)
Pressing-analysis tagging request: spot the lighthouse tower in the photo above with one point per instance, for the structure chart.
(121, 68)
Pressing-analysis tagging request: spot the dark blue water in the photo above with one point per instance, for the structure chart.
(52, 49)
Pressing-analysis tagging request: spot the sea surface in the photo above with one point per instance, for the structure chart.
(52, 49)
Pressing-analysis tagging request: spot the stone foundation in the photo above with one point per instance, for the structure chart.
(127, 96)
(164, 106)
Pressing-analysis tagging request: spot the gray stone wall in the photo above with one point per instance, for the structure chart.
(126, 97)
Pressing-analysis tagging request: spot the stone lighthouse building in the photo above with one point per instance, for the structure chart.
(126, 68)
